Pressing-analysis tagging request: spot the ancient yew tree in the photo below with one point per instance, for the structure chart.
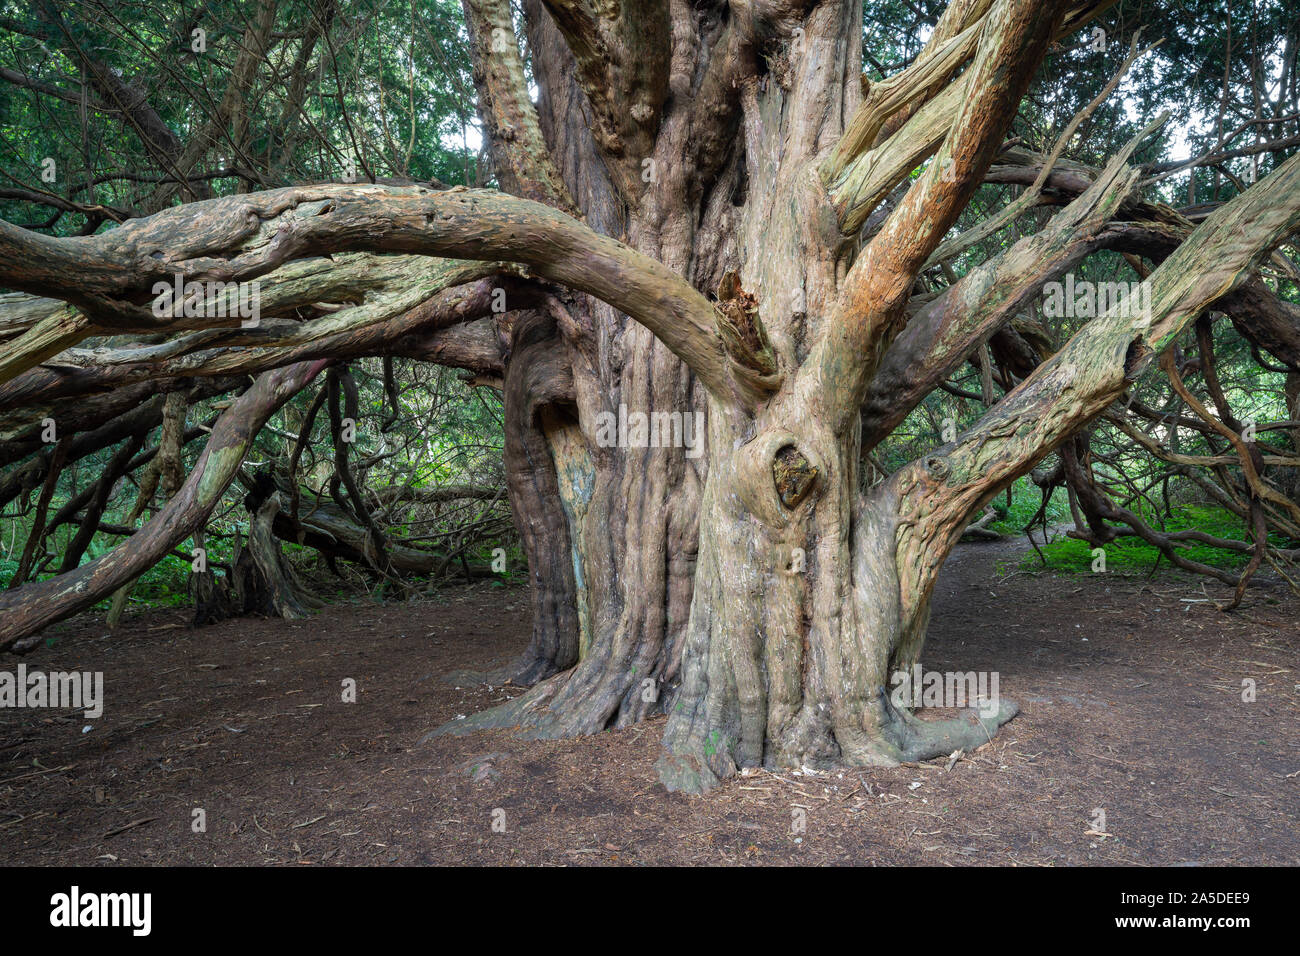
(698, 207)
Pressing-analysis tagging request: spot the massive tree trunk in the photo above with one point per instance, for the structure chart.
(801, 610)
(775, 644)
(805, 592)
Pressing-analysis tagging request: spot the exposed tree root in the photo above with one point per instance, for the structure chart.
(903, 738)
(915, 739)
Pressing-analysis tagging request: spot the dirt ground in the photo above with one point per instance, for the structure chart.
(1130, 689)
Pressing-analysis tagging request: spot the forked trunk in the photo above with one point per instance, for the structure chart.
(776, 644)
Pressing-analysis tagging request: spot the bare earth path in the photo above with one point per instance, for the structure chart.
(1131, 696)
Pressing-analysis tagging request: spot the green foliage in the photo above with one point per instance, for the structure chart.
(8, 568)
(1133, 555)
(165, 584)
(387, 88)
(1026, 499)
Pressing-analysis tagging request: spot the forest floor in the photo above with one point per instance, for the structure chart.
(1131, 702)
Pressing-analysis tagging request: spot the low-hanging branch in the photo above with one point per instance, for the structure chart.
(1081, 380)
(35, 605)
(391, 324)
(239, 238)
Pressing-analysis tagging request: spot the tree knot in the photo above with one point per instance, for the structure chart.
(937, 467)
(1136, 358)
(794, 475)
